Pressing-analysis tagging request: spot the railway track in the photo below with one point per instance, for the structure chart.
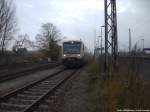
(29, 97)
(10, 76)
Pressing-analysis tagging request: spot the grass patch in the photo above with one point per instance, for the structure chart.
(94, 84)
(126, 90)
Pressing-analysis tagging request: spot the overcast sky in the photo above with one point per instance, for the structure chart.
(79, 18)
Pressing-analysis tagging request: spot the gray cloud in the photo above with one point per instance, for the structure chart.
(78, 18)
(136, 16)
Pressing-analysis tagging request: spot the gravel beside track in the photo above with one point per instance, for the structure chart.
(24, 71)
(8, 86)
(22, 66)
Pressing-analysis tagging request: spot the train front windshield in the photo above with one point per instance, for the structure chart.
(72, 47)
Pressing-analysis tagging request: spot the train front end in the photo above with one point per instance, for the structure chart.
(72, 54)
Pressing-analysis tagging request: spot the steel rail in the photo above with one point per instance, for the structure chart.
(12, 93)
(6, 100)
(35, 104)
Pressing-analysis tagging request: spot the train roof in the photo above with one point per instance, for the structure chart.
(73, 41)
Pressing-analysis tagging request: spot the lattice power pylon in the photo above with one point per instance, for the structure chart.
(111, 39)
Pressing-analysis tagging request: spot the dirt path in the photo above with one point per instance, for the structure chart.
(82, 95)
(75, 99)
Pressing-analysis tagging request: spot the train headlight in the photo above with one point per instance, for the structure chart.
(64, 55)
(79, 55)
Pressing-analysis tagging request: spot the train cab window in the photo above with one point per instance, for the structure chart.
(71, 47)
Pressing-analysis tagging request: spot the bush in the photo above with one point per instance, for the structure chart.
(125, 90)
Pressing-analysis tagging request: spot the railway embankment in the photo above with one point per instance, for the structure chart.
(91, 92)
(83, 94)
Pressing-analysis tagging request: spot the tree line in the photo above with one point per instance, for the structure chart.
(7, 23)
(46, 40)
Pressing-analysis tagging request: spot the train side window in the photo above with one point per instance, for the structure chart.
(83, 47)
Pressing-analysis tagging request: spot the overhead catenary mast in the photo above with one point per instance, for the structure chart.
(129, 40)
(111, 39)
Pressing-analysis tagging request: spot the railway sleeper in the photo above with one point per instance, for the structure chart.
(37, 90)
(46, 82)
(21, 101)
(11, 107)
(42, 87)
(24, 97)
(29, 93)
(8, 111)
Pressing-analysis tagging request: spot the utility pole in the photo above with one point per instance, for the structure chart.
(111, 37)
(94, 42)
(102, 38)
(130, 40)
(143, 43)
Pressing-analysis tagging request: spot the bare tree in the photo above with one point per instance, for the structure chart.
(7, 22)
(48, 40)
(23, 41)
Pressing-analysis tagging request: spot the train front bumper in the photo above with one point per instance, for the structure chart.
(72, 62)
